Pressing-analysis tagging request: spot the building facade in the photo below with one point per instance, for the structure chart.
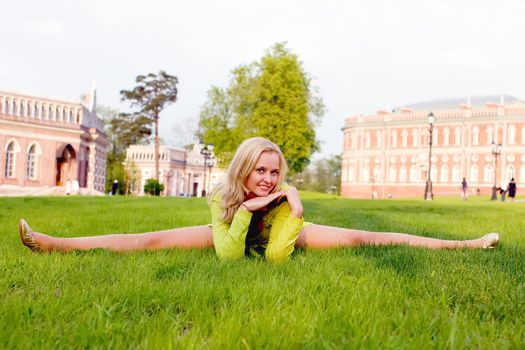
(182, 172)
(45, 142)
(387, 155)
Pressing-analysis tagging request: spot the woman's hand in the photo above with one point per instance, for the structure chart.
(296, 207)
(258, 203)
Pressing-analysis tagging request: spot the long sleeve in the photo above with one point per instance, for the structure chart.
(229, 239)
(283, 234)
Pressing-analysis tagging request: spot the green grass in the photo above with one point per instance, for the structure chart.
(373, 297)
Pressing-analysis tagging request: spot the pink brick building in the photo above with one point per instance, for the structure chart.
(45, 142)
(386, 154)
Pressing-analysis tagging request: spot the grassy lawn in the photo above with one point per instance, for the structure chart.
(373, 297)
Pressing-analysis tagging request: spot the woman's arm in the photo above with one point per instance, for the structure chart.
(286, 226)
(230, 239)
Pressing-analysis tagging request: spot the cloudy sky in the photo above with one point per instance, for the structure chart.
(363, 55)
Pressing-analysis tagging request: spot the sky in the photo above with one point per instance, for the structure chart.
(362, 55)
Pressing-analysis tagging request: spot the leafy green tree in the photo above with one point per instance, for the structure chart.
(122, 130)
(151, 95)
(272, 98)
(153, 187)
(323, 175)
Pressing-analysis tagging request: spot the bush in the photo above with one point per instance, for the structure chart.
(153, 187)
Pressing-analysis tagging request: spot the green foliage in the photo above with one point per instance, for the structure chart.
(272, 98)
(153, 187)
(324, 175)
(361, 297)
(151, 95)
(122, 130)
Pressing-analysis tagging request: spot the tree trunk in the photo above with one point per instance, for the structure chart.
(157, 155)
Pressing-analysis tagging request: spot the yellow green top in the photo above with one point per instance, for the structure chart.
(270, 234)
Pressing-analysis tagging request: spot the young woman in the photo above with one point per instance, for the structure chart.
(253, 213)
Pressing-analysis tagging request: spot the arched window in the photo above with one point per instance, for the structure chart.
(31, 162)
(10, 160)
(435, 136)
(490, 134)
(379, 139)
(414, 137)
(444, 174)
(487, 173)
(413, 173)
(475, 135)
(353, 140)
(446, 136)
(403, 174)
(404, 137)
(433, 172)
(523, 135)
(367, 139)
(510, 172)
(456, 174)
(350, 174)
(366, 174)
(392, 173)
(474, 173)
(393, 138)
(511, 135)
(377, 173)
(457, 136)
(522, 174)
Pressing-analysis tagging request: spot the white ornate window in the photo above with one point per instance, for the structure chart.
(367, 139)
(10, 160)
(490, 134)
(379, 139)
(415, 137)
(377, 173)
(522, 174)
(404, 138)
(435, 136)
(433, 172)
(393, 139)
(392, 173)
(456, 174)
(353, 138)
(523, 135)
(474, 173)
(457, 136)
(487, 173)
(403, 173)
(446, 137)
(366, 174)
(31, 162)
(350, 174)
(444, 173)
(413, 173)
(510, 172)
(475, 135)
(511, 135)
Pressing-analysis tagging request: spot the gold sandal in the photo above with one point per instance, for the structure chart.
(490, 241)
(26, 235)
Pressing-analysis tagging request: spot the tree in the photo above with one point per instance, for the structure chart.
(324, 175)
(122, 130)
(151, 95)
(272, 98)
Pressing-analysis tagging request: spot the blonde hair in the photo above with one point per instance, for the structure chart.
(233, 190)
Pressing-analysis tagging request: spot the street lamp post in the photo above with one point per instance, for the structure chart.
(428, 188)
(496, 151)
(206, 152)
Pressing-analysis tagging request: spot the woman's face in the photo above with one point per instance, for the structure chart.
(265, 175)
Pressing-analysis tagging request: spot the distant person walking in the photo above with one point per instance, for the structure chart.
(512, 189)
(464, 189)
(503, 191)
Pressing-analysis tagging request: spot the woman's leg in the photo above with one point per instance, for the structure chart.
(319, 237)
(185, 237)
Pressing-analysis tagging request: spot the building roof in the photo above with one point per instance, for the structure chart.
(455, 102)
